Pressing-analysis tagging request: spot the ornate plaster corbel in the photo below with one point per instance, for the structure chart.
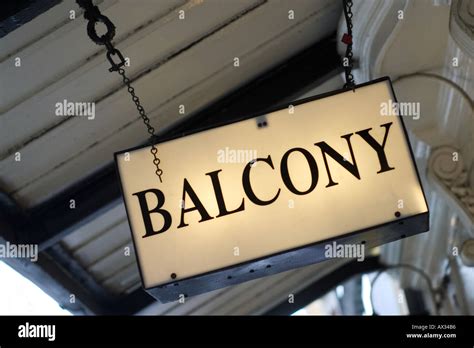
(454, 181)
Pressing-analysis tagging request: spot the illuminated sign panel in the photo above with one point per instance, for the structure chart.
(265, 194)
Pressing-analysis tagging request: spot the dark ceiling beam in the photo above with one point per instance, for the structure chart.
(15, 13)
(92, 196)
(78, 281)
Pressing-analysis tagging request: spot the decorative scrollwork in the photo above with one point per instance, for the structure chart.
(447, 166)
(446, 163)
(462, 24)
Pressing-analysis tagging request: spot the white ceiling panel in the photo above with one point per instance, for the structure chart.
(173, 62)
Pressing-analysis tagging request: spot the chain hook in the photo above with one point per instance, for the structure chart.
(115, 65)
(91, 31)
(93, 16)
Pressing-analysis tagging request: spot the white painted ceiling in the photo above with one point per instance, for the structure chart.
(173, 61)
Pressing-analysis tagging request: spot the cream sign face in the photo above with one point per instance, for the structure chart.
(265, 194)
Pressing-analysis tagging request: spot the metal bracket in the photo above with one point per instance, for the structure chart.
(261, 121)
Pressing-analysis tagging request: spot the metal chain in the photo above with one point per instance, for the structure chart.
(93, 15)
(347, 39)
(146, 121)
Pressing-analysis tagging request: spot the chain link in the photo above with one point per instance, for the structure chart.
(93, 15)
(348, 41)
(146, 121)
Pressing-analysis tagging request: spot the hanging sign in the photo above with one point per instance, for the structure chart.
(272, 192)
